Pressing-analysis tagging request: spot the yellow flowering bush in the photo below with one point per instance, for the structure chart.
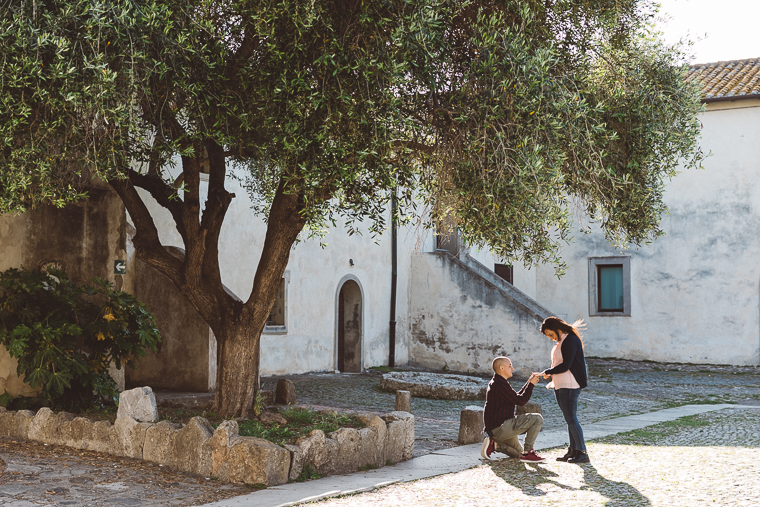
(66, 335)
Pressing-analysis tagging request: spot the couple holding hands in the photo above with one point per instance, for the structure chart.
(568, 373)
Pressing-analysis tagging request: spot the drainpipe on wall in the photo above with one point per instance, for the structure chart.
(394, 276)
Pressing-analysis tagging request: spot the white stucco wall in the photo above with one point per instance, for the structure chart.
(524, 278)
(695, 292)
(460, 320)
(315, 274)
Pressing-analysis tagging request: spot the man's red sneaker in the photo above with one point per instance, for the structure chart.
(531, 457)
(487, 449)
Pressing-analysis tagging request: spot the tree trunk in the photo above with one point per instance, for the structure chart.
(237, 367)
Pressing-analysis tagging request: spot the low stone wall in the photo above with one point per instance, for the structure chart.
(439, 386)
(198, 448)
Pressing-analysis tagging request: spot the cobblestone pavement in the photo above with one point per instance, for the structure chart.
(709, 459)
(50, 475)
(616, 388)
(38, 474)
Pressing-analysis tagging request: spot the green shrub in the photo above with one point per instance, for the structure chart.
(65, 335)
(301, 422)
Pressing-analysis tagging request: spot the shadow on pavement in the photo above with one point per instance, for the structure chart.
(542, 480)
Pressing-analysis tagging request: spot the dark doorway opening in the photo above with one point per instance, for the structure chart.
(350, 328)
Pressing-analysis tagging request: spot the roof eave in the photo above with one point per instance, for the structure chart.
(731, 99)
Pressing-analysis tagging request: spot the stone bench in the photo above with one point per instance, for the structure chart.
(471, 421)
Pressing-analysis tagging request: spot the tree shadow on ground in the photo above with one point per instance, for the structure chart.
(538, 480)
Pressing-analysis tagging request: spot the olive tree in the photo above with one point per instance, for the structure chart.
(499, 117)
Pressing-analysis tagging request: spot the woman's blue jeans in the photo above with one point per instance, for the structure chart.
(567, 399)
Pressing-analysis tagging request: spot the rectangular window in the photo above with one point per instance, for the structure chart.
(505, 271)
(277, 322)
(609, 286)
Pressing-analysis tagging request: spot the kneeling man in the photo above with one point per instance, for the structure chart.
(501, 424)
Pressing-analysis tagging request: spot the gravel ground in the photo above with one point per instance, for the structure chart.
(39, 474)
(709, 459)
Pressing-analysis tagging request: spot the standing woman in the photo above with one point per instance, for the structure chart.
(568, 374)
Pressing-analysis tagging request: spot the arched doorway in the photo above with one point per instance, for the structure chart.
(350, 327)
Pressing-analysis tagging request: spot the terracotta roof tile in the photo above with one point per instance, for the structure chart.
(735, 78)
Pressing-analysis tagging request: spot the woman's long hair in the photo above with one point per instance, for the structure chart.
(561, 327)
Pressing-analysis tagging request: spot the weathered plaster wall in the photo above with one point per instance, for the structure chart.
(460, 320)
(309, 342)
(524, 277)
(181, 363)
(84, 238)
(695, 292)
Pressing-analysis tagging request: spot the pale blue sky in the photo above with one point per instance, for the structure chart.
(732, 27)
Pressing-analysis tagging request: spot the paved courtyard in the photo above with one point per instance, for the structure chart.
(616, 388)
(695, 460)
(709, 459)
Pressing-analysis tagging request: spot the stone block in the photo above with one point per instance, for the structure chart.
(403, 401)
(159, 443)
(255, 461)
(408, 420)
(285, 394)
(79, 433)
(224, 437)
(394, 441)
(381, 431)
(130, 436)
(7, 423)
(369, 447)
(470, 425)
(47, 427)
(101, 437)
(139, 404)
(38, 423)
(348, 458)
(23, 420)
(192, 451)
(296, 461)
(15, 425)
(318, 451)
(267, 417)
(528, 408)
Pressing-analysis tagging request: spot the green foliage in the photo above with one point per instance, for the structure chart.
(308, 473)
(258, 403)
(301, 422)
(501, 119)
(65, 335)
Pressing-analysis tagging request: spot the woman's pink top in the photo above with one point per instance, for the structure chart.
(564, 380)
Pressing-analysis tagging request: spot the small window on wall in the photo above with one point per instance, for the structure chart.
(609, 286)
(505, 271)
(277, 320)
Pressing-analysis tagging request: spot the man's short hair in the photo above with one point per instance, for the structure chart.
(497, 361)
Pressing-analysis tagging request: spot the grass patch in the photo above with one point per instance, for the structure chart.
(256, 487)
(301, 422)
(368, 466)
(308, 473)
(653, 434)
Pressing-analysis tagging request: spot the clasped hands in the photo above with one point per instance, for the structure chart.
(536, 375)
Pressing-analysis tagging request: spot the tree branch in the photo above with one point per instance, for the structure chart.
(146, 239)
(164, 194)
